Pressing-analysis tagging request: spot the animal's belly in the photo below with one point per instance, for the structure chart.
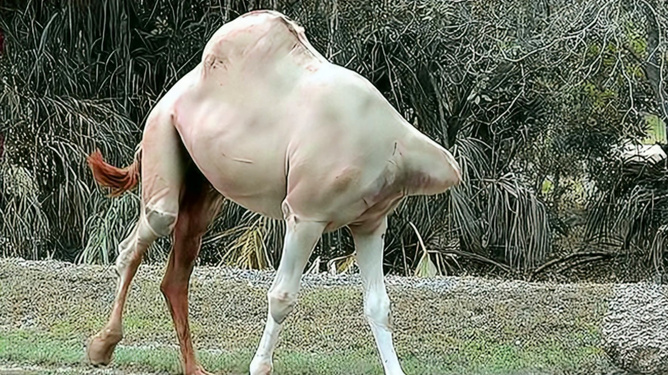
(256, 192)
(249, 173)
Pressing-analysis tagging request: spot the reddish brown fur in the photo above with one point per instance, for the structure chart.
(119, 180)
(198, 206)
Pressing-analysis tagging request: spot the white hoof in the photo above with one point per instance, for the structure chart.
(261, 366)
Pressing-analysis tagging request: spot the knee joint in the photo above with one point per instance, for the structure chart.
(160, 223)
(174, 283)
(170, 289)
(378, 312)
(166, 287)
(281, 304)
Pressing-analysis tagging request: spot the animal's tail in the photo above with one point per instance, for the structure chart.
(119, 180)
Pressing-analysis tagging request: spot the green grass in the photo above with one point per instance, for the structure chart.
(478, 330)
(475, 357)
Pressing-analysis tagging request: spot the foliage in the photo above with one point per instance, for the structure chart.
(533, 99)
(634, 206)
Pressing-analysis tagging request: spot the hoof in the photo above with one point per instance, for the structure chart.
(100, 350)
(261, 367)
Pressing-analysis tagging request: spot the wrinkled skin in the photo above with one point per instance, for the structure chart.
(270, 124)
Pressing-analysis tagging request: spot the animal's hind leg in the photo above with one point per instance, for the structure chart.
(199, 205)
(163, 171)
(369, 248)
(102, 345)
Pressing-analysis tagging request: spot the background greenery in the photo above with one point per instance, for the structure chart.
(535, 99)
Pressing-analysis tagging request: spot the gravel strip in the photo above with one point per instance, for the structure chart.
(635, 328)
(260, 278)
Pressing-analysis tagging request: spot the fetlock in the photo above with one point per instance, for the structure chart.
(101, 346)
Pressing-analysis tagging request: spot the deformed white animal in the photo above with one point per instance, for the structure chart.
(266, 121)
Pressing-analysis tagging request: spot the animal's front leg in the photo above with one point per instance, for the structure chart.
(300, 239)
(369, 247)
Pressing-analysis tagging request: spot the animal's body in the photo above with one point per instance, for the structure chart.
(267, 122)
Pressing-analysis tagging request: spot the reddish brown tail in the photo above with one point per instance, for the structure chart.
(119, 180)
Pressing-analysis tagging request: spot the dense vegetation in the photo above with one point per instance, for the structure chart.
(535, 99)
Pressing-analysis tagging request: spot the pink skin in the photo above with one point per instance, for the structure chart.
(276, 128)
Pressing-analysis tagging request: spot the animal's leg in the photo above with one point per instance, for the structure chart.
(162, 170)
(369, 247)
(198, 207)
(131, 251)
(300, 239)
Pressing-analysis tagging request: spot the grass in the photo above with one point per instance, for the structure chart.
(478, 357)
(474, 326)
